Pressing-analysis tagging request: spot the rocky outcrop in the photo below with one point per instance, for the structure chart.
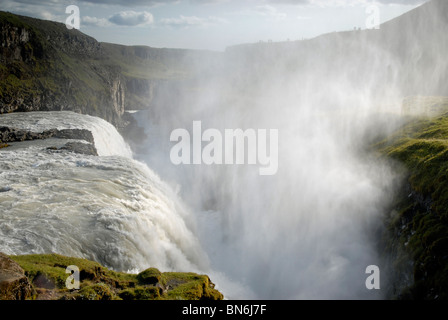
(141, 93)
(15, 135)
(45, 274)
(13, 44)
(81, 148)
(14, 285)
(46, 67)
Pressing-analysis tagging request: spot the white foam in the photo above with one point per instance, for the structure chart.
(113, 209)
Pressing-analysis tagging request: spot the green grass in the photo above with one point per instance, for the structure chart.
(421, 146)
(47, 272)
(190, 286)
(163, 64)
(53, 266)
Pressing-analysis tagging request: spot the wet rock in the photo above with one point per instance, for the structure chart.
(14, 285)
(82, 148)
(78, 134)
(16, 135)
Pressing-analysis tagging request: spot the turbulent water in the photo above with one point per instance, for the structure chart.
(111, 208)
(304, 233)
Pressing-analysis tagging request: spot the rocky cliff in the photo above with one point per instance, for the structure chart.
(46, 67)
(14, 285)
(415, 242)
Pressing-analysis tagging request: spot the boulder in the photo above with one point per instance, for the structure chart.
(150, 276)
(14, 285)
(82, 148)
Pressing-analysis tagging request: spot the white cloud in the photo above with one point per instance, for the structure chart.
(132, 18)
(94, 22)
(191, 21)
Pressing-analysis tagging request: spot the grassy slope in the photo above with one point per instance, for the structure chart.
(159, 66)
(420, 226)
(133, 61)
(47, 273)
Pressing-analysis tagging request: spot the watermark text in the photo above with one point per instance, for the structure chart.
(235, 147)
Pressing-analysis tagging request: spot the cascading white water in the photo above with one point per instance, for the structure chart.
(309, 231)
(306, 232)
(110, 208)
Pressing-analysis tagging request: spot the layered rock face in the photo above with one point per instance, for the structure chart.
(17, 135)
(46, 67)
(14, 285)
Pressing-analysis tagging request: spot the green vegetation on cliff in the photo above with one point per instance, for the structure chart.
(419, 227)
(47, 274)
(44, 66)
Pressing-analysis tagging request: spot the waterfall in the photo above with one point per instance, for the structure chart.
(110, 208)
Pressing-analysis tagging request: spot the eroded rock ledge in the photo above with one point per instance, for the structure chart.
(9, 135)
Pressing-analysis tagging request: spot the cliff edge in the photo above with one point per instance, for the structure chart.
(44, 277)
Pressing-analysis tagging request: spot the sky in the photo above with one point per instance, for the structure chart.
(210, 24)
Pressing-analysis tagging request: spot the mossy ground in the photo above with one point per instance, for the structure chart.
(47, 274)
(420, 225)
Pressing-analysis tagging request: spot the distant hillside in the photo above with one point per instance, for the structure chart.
(406, 56)
(45, 66)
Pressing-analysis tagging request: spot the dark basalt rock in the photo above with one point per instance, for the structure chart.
(78, 134)
(79, 147)
(16, 135)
